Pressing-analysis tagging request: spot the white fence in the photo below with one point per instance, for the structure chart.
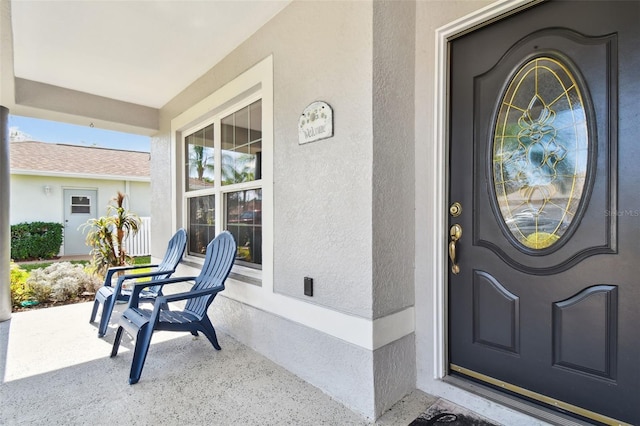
(140, 244)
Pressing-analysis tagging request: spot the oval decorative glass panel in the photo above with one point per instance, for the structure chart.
(540, 152)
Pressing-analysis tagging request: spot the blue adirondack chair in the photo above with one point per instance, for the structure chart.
(141, 323)
(107, 295)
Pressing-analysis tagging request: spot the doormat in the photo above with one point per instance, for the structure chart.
(444, 412)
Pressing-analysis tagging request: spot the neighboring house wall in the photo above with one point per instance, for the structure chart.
(343, 207)
(58, 167)
(139, 197)
(30, 203)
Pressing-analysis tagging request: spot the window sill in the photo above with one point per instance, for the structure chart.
(246, 275)
(238, 273)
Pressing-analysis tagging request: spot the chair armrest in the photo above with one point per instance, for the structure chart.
(145, 275)
(188, 295)
(113, 270)
(138, 287)
(122, 279)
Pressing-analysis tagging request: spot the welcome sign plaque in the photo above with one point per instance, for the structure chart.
(316, 122)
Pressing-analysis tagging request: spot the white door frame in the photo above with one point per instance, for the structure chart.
(440, 161)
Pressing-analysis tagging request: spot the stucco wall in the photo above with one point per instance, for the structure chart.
(393, 148)
(322, 191)
(29, 203)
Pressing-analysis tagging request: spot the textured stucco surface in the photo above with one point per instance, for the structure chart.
(161, 190)
(393, 149)
(322, 190)
(343, 370)
(394, 367)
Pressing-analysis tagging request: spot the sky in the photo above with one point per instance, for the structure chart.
(33, 129)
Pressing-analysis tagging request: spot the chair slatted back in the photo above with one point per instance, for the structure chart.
(221, 253)
(173, 255)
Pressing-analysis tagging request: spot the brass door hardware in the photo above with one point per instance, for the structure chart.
(454, 233)
(456, 209)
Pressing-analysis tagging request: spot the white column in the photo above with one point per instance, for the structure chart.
(5, 228)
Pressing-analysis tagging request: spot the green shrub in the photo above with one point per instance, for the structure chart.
(35, 240)
(58, 282)
(20, 292)
(24, 291)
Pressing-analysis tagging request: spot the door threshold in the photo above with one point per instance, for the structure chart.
(517, 404)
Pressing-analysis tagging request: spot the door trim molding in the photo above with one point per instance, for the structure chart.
(440, 170)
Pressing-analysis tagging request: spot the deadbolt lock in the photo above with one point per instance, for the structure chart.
(456, 209)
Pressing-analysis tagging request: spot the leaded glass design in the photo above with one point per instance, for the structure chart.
(540, 152)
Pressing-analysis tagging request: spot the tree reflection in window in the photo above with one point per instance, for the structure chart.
(540, 151)
(200, 159)
(242, 145)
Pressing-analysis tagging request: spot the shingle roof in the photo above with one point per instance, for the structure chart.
(41, 157)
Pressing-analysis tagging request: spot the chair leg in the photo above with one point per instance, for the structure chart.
(94, 311)
(143, 341)
(210, 332)
(107, 309)
(116, 342)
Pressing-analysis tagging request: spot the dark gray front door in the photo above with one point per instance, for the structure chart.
(544, 282)
(79, 206)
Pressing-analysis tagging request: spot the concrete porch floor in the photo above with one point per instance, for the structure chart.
(56, 370)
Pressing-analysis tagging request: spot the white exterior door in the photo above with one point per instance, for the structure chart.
(79, 206)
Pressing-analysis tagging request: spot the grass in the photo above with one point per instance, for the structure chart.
(140, 260)
(31, 266)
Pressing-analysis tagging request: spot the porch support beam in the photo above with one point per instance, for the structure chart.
(46, 101)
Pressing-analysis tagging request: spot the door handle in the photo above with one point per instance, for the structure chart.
(454, 235)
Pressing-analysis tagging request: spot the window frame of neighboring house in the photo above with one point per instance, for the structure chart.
(256, 84)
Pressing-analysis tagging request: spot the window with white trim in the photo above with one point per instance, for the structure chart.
(223, 180)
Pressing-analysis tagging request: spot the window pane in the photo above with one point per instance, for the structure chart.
(255, 121)
(80, 205)
(244, 221)
(242, 145)
(199, 157)
(80, 201)
(202, 227)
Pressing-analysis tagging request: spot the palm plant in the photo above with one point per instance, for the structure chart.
(237, 168)
(107, 235)
(200, 161)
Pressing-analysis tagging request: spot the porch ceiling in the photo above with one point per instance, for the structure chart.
(135, 52)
